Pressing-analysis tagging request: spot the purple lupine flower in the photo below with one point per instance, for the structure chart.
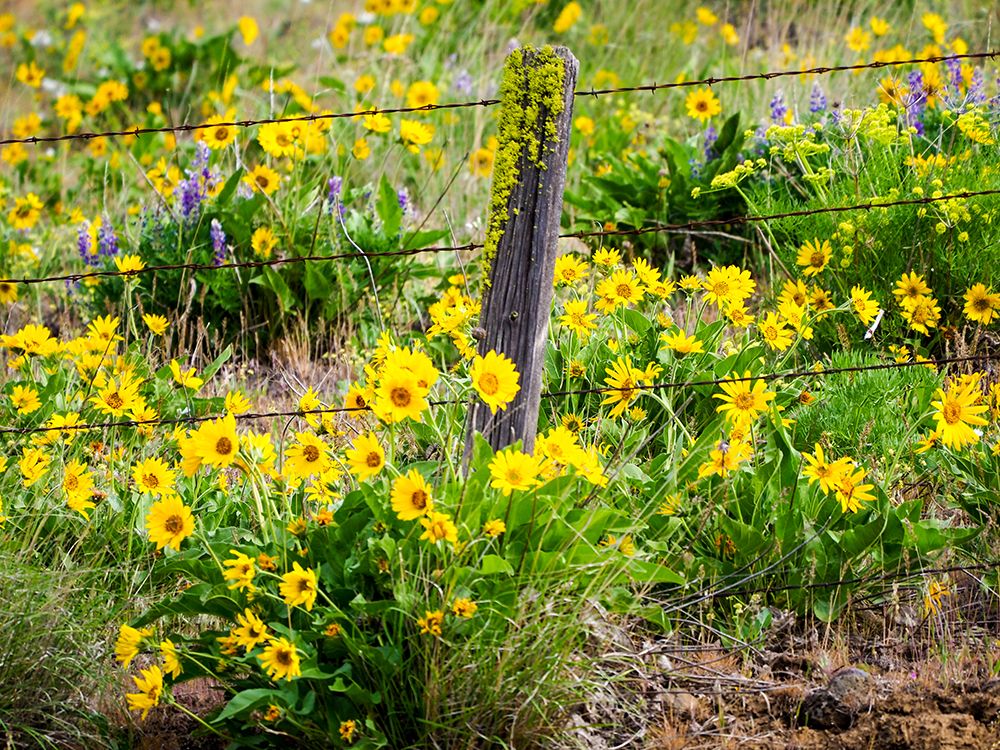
(695, 167)
(107, 240)
(85, 245)
(954, 73)
(778, 108)
(244, 191)
(710, 138)
(977, 87)
(191, 195)
(917, 99)
(335, 185)
(817, 99)
(218, 241)
(200, 162)
(404, 199)
(463, 82)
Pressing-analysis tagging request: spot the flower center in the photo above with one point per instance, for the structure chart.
(151, 481)
(419, 499)
(401, 397)
(489, 384)
(743, 401)
(373, 460)
(283, 657)
(114, 400)
(223, 446)
(624, 291)
(311, 453)
(817, 259)
(952, 413)
(221, 134)
(72, 482)
(173, 524)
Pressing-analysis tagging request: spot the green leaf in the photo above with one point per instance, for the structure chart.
(388, 208)
(493, 564)
(636, 321)
(318, 286)
(271, 279)
(333, 83)
(423, 239)
(650, 572)
(247, 700)
(217, 363)
(857, 540)
(229, 188)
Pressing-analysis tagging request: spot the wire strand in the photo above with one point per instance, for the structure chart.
(550, 394)
(73, 277)
(650, 87)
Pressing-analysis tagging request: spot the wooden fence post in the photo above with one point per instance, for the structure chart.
(526, 198)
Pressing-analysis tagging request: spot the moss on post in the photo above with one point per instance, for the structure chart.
(529, 91)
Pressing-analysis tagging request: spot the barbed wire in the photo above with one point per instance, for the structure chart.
(791, 374)
(247, 123)
(651, 87)
(856, 580)
(871, 205)
(767, 76)
(769, 376)
(74, 277)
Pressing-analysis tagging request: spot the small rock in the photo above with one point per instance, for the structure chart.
(852, 687)
(849, 692)
(681, 704)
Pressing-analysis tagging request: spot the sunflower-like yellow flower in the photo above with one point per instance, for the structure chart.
(149, 683)
(299, 586)
(743, 399)
(702, 105)
(308, 456)
(814, 255)
(169, 522)
(957, 413)
(411, 496)
(365, 458)
(495, 379)
(512, 469)
(281, 660)
(215, 443)
(623, 381)
(241, 570)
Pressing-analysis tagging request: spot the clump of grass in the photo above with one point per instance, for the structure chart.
(53, 657)
(860, 414)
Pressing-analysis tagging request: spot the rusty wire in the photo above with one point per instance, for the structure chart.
(650, 87)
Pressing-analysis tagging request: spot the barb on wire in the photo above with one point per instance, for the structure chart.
(548, 394)
(476, 245)
(651, 87)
